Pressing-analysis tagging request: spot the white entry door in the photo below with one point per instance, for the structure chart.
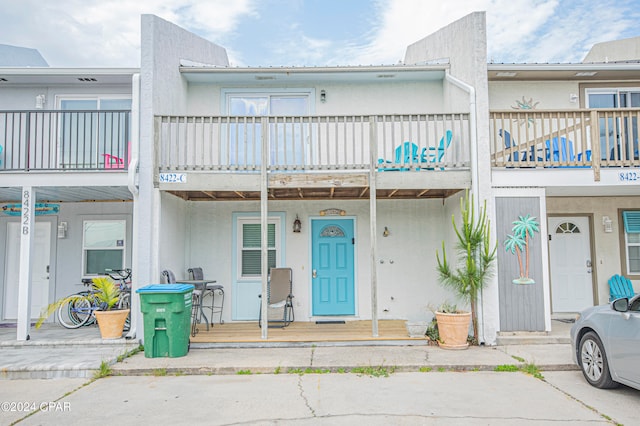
(39, 269)
(570, 264)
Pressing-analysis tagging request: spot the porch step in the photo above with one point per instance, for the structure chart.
(530, 338)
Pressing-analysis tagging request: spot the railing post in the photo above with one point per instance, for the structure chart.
(596, 157)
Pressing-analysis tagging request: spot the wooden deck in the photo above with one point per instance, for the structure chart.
(243, 332)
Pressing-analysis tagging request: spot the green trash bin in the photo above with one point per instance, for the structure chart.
(166, 309)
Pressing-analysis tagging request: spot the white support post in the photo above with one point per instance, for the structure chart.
(27, 230)
(373, 150)
(264, 243)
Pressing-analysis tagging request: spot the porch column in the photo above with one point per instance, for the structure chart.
(264, 243)
(373, 150)
(27, 230)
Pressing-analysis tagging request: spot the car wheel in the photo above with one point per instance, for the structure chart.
(593, 361)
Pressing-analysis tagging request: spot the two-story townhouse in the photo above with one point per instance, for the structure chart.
(353, 173)
(564, 149)
(67, 150)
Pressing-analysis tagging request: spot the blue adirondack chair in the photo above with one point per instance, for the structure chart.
(517, 155)
(563, 151)
(620, 286)
(433, 154)
(406, 153)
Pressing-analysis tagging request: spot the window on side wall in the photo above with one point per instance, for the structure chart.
(249, 247)
(103, 245)
(631, 222)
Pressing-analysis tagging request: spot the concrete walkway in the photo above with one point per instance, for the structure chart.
(56, 352)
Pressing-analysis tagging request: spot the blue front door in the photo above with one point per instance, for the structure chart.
(332, 267)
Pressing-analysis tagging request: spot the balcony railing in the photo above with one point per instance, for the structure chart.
(576, 138)
(64, 140)
(301, 143)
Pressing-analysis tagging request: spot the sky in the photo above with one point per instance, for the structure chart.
(262, 33)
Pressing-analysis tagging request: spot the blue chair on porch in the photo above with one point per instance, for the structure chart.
(620, 286)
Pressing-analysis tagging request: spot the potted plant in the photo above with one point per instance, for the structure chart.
(468, 276)
(103, 299)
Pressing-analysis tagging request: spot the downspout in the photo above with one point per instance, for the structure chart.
(132, 173)
(474, 163)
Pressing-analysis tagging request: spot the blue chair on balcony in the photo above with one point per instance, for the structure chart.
(561, 150)
(436, 154)
(0, 155)
(407, 153)
(517, 155)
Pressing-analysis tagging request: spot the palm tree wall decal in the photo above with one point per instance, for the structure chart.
(523, 229)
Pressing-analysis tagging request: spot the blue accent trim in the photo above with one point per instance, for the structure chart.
(631, 221)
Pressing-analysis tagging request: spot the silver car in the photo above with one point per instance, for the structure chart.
(605, 342)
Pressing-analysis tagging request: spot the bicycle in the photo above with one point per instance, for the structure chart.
(77, 310)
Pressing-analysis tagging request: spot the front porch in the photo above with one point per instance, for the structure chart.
(307, 332)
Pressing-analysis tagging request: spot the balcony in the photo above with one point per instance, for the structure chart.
(313, 143)
(577, 139)
(313, 157)
(64, 140)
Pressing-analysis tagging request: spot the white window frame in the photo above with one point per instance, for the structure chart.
(86, 249)
(242, 220)
(612, 91)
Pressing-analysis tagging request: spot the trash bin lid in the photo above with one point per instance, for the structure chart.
(165, 288)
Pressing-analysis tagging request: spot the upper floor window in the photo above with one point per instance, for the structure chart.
(286, 137)
(94, 131)
(618, 132)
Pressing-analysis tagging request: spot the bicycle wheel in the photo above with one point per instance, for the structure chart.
(125, 303)
(75, 312)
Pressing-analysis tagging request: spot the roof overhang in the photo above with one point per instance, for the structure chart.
(577, 72)
(282, 75)
(66, 76)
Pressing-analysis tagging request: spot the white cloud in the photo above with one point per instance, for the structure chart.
(107, 32)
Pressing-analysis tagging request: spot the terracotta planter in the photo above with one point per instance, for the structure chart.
(453, 330)
(111, 323)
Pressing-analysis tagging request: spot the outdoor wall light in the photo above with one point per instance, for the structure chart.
(62, 230)
(386, 232)
(607, 224)
(323, 96)
(297, 225)
(40, 101)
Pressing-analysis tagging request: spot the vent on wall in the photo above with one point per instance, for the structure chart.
(87, 79)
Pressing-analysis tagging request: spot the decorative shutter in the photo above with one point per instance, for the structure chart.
(631, 221)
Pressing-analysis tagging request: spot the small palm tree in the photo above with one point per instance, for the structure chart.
(475, 257)
(523, 229)
(515, 244)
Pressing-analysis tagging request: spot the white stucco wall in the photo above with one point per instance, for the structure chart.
(173, 227)
(162, 91)
(546, 95)
(342, 99)
(24, 97)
